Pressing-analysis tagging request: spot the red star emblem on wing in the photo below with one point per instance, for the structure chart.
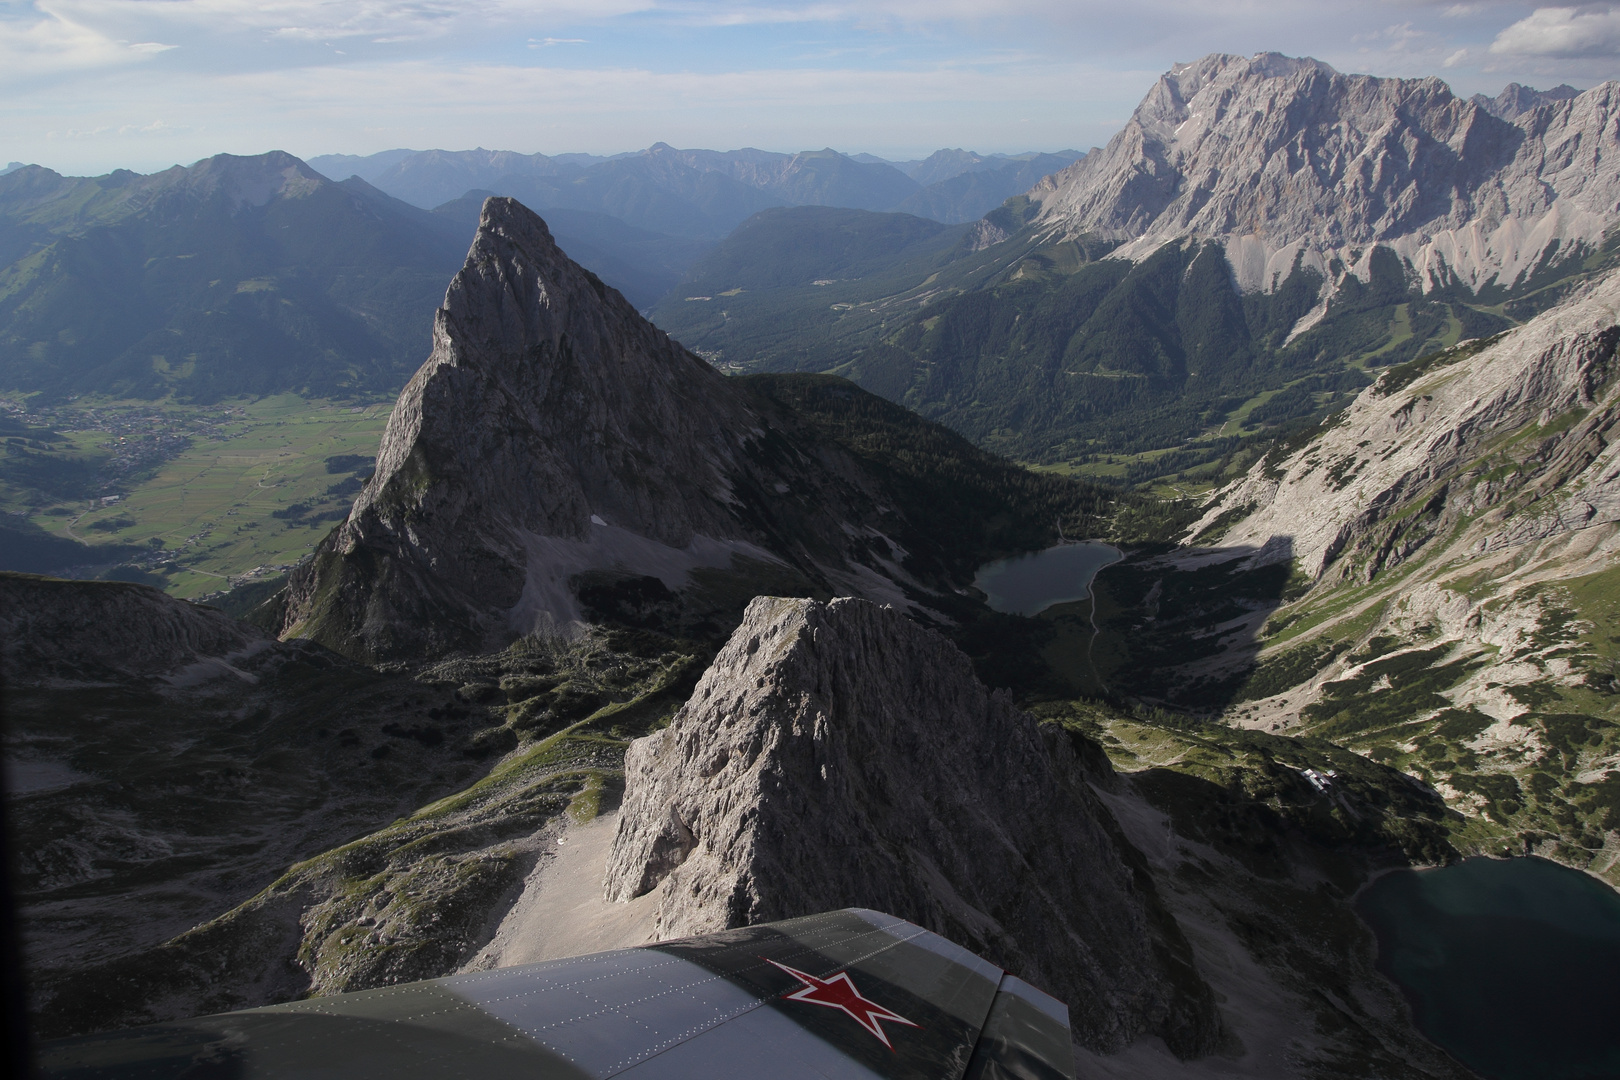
(838, 992)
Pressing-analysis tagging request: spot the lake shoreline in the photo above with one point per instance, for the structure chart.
(1505, 963)
(1028, 584)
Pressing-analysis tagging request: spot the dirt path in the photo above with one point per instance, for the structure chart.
(561, 911)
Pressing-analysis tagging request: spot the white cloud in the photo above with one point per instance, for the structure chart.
(156, 127)
(1454, 59)
(41, 38)
(1562, 33)
(328, 19)
(1400, 34)
(51, 42)
(75, 133)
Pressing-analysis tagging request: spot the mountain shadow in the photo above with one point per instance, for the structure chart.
(1181, 628)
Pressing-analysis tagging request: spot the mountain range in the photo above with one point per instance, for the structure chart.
(558, 461)
(257, 275)
(1289, 163)
(704, 193)
(235, 276)
(612, 646)
(1261, 237)
(641, 219)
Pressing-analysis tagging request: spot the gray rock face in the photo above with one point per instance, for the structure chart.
(553, 432)
(1286, 159)
(1516, 100)
(1392, 445)
(838, 754)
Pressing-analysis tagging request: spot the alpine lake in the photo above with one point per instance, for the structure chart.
(1510, 965)
(1029, 584)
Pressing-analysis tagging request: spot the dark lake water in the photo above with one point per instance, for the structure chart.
(1029, 584)
(1512, 965)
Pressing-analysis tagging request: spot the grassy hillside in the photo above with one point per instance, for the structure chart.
(380, 805)
(807, 245)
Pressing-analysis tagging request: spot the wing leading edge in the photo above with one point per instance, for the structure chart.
(850, 993)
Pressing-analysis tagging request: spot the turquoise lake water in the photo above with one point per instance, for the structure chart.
(1513, 965)
(1029, 584)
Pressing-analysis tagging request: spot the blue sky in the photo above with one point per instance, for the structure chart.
(90, 85)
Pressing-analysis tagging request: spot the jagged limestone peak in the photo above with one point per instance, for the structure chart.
(546, 390)
(839, 754)
(1287, 159)
(554, 434)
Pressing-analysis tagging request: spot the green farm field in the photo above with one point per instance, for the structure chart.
(260, 483)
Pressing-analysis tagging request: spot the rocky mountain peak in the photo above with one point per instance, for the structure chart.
(536, 338)
(839, 755)
(554, 434)
(1183, 82)
(1285, 159)
(1516, 100)
(248, 181)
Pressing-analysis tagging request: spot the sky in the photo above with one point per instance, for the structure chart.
(91, 85)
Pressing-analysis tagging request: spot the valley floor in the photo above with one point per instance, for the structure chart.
(193, 499)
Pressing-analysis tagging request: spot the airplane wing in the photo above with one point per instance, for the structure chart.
(850, 993)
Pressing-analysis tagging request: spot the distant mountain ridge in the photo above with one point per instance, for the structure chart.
(1288, 161)
(248, 276)
(705, 193)
(1261, 237)
(1516, 100)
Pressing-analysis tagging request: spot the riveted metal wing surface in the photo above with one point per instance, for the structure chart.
(850, 993)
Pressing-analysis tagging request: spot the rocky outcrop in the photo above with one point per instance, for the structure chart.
(1286, 159)
(1414, 434)
(1458, 529)
(838, 754)
(165, 762)
(555, 434)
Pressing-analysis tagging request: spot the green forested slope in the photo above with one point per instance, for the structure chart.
(802, 245)
(235, 276)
